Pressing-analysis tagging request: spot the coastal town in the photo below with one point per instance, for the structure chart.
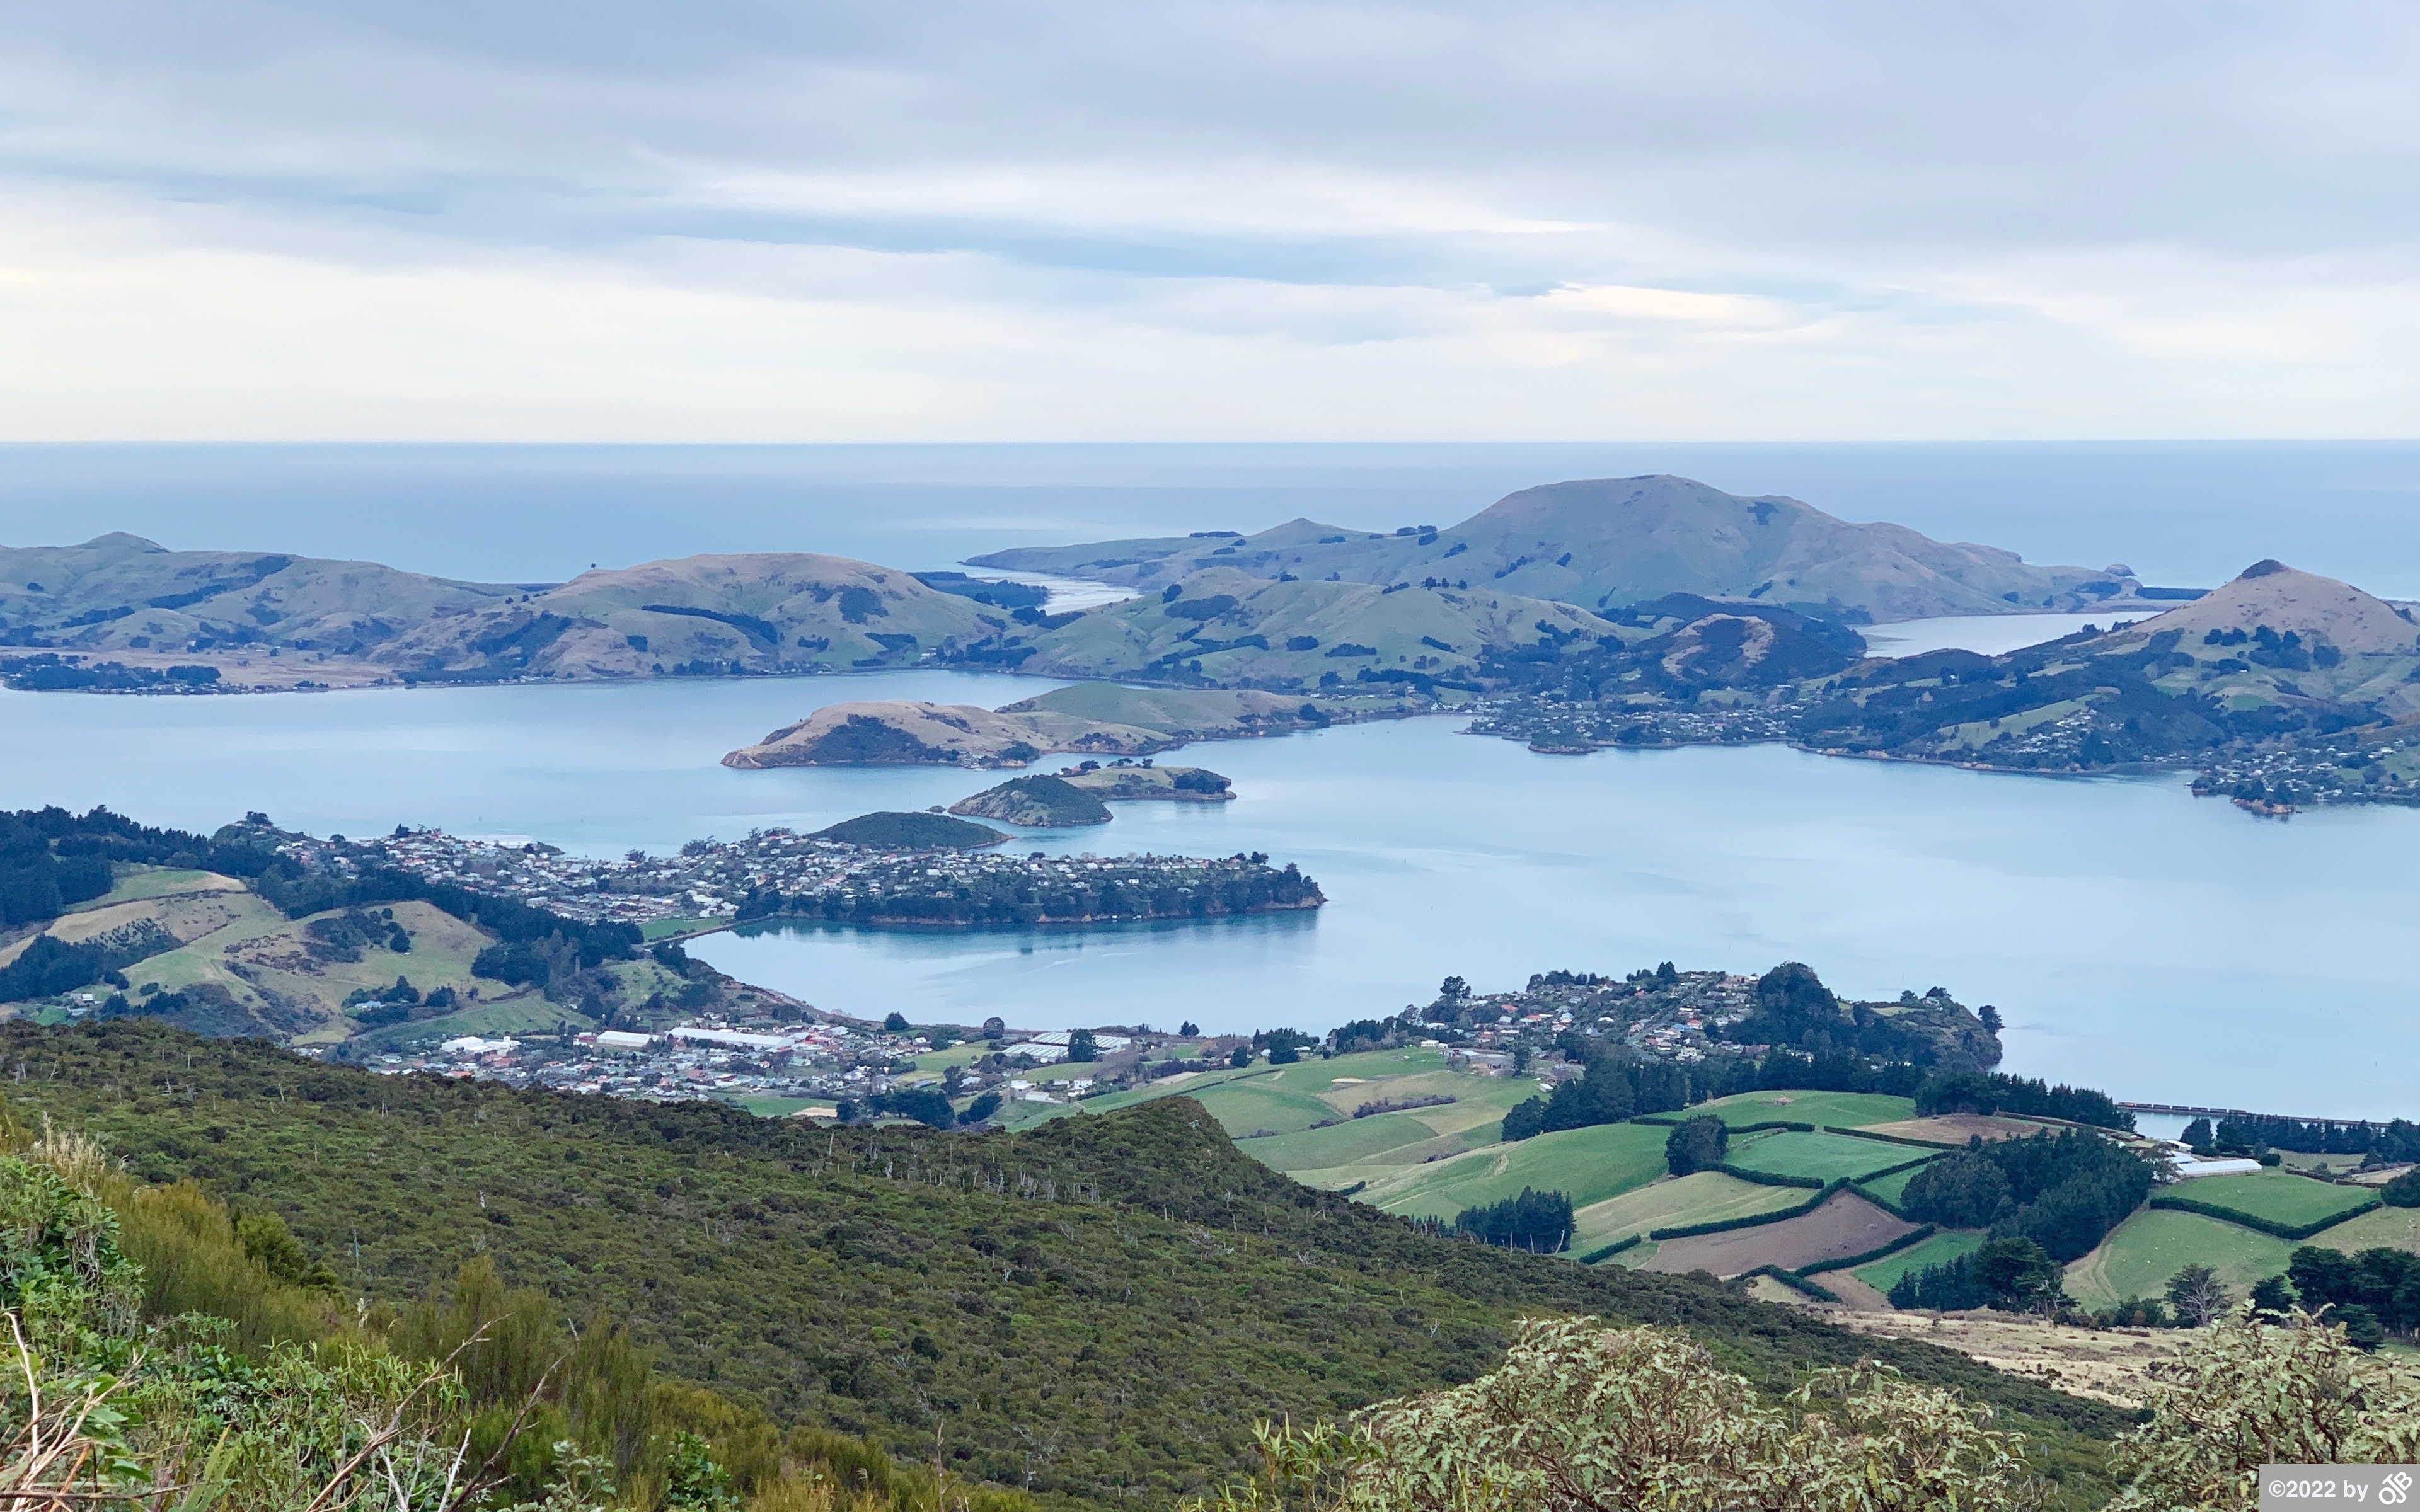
(818, 1068)
(709, 882)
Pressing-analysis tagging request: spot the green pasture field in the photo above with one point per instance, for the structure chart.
(1355, 1142)
(2275, 1195)
(2141, 1254)
(1845, 1110)
(2380, 1229)
(1893, 1187)
(133, 884)
(1281, 1099)
(1939, 1250)
(1586, 1164)
(1823, 1156)
(658, 930)
(526, 1013)
(1706, 1197)
(1288, 1099)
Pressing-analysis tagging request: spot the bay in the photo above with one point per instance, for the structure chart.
(2163, 947)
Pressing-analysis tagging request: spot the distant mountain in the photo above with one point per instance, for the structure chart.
(1610, 542)
(760, 612)
(119, 609)
(132, 598)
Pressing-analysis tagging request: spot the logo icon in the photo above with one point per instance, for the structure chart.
(2393, 1491)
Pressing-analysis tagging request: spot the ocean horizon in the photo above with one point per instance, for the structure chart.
(2179, 512)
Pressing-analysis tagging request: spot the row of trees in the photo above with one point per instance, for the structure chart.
(1610, 1090)
(2376, 1290)
(2395, 1141)
(1539, 1222)
(925, 1104)
(1617, 1086)
(1990, 1092)
(2010, 1272)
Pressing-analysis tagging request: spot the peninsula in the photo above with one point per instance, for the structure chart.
(2281, 688)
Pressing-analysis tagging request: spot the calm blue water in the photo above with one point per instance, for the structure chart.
(2178, 513)
(2166, 948)
(2169, 949)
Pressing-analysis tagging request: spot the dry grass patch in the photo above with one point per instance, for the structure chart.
(1957, 1128)
(2112, 1365)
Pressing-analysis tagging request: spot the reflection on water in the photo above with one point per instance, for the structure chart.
(2134, 938)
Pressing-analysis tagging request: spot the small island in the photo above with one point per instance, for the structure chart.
(911, 832)
(1082, 794)
(1129, 780)
(1036, 803)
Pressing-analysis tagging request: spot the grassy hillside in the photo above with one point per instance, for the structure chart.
(1619, 541)
(1099, 1308)
(1822, 1157)
(272, 973)
(2275, 1196)
(1940, 1249)
(275, 619)
(2380, 1229)
(1177, 715)
(1889, 1188)
(2283, 686)
(1230, 628)
(122, 598)
(1702, 1197)
(1349, 1150)
(762, 612)
(2141, 1254)
(1035, 801)
(1585, 1164)
(1838, 1110)
(912, 831)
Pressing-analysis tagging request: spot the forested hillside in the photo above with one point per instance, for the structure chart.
(1099, 1308)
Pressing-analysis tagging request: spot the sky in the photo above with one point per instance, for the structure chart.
(1161, 220)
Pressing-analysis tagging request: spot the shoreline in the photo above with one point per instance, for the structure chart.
(898, 924)
(2258, 807)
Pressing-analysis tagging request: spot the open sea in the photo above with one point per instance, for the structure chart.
(2164, 948)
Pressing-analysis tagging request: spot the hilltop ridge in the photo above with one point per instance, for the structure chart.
(2282, 687)
(1609, 542)
(280, 621)
(1130, 1285)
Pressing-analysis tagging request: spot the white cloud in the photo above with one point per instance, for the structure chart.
(1074, 220)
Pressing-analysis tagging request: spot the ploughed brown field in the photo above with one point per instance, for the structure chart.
(1848, 1224)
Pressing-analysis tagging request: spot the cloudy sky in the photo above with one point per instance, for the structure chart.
(1160, 218)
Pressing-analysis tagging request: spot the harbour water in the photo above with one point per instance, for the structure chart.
(2163, 947)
